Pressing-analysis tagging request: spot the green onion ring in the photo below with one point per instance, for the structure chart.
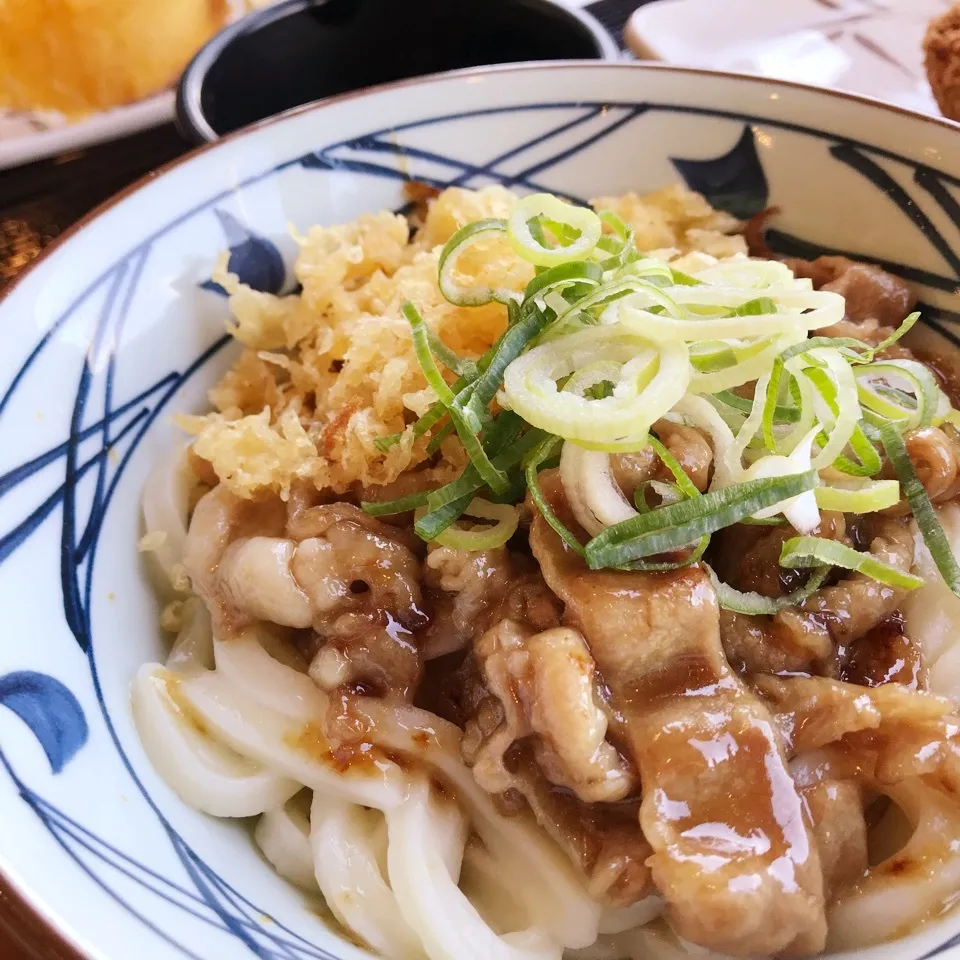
(421, 344)
(923, 511)
(669, 528)
(543, 452)
(802, 552)
(755, 604)
(533, 249)
(486, 539)
(466, 237)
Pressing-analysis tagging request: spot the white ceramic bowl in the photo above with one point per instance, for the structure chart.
(114, 329)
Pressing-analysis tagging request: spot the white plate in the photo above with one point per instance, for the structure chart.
(34, 134)
(873, 47)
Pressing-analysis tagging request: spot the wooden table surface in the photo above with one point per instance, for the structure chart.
(39, 201)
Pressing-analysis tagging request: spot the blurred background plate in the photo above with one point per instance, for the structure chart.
(872, 47)
(27, 135)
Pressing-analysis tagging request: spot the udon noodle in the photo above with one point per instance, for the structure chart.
(501, 741)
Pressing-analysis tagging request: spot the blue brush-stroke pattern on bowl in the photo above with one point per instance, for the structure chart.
(734, 181)
(254, 259)
(50, 710)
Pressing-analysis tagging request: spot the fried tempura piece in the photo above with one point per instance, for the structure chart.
(941, 47)
(78, 56)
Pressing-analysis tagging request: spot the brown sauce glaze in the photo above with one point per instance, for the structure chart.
(885, 655)
(733, 855)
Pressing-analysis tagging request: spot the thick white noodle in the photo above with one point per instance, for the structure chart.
(283, 835)
(347, 868)
(206, 774)
(292, 749)
(451, 827)
(482, 880)
(259, 712)
(193, 648)
(620, 919)
(933, 612)
(257, 675)
(432, 903)
(533, 868)
(165, 505)
(885, 902)
(647, 943)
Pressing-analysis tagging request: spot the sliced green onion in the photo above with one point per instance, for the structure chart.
(436, 441)
(421, 344)
(458, 365)
(569, 319)
(564, 275)
(836, 395)
(780, 414)
(400, 505)
(669, 528)
(806, 310)
(751, 275)
(387, 443)
(898, 405)
(708, 356)
(870, 462)
(449, 501)
(750, 363)
(491, 475)
(543, 452)
(484, 389)
(534, 248)
(758, 307)
(609, 219)
(507, 520)
(772, 394)
(437, 411)
(649, 382)
(432, 523)
(654, 272)
(815, 552)
(611, 245)
(756, 604)
(837, 389)
(657, 566)
(453, 249)
(893, 338)
(668, 493)
(564, 233)
(923, 512)
(867, 497)
(684, 483)
(682, 279)
(503, 437)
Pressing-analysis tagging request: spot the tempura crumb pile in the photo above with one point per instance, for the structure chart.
(326, 373)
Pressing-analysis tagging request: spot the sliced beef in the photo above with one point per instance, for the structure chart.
(732, 853)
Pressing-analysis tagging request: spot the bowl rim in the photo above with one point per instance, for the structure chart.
(25, 918)
(191, 119)
(465, 73)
